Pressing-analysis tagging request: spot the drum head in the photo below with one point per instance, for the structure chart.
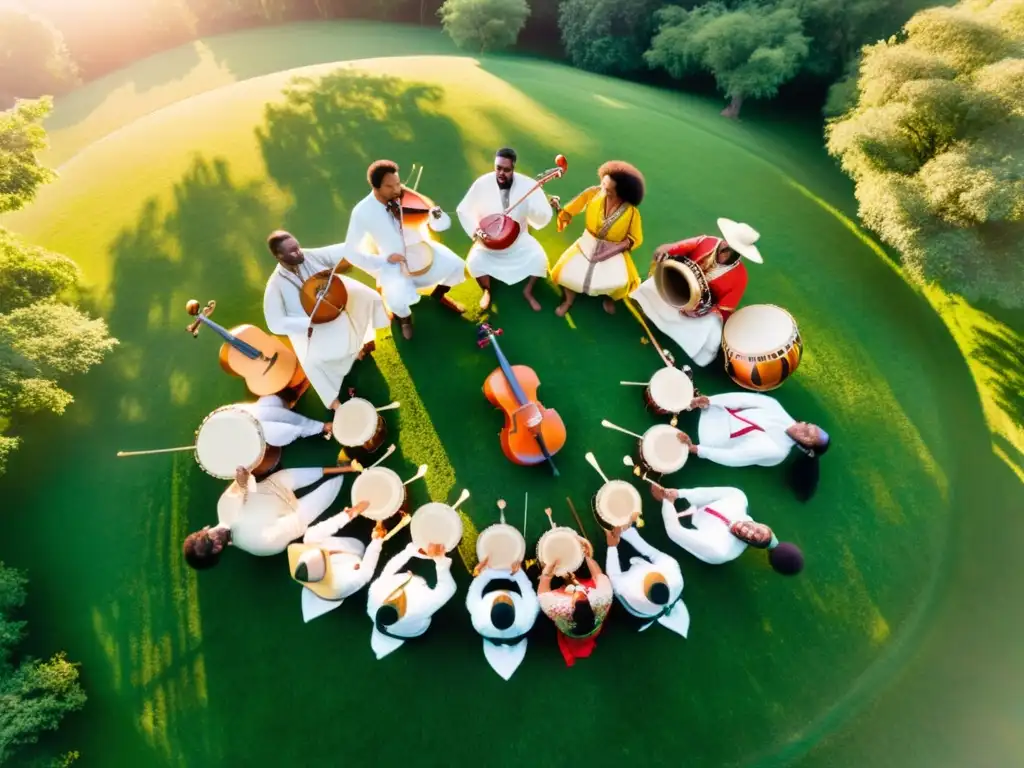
(671, 390)
(355, 421)
(436, 523)
(662, 450)
(678, 283)
(501, 545)
(381, 487)
(419, 258)
(227, 439)
(562, 545)
(758, 329)
(617, 501)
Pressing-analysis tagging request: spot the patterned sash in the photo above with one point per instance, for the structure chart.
(606, 226)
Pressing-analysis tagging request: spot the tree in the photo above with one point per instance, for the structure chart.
(21, 137)
(33, 58)
(751, 50)
(607, 36)
(36, 695)
(935, 145)
(484, 25)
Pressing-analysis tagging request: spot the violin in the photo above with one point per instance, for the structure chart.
(266, 364)
(532, 433)
(501, 229)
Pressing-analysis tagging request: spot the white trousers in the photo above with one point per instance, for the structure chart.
(401, 292)
(699, 337)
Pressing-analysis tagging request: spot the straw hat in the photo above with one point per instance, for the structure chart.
(311, 567)
(741, 238)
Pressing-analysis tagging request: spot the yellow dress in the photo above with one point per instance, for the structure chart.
(616, 277)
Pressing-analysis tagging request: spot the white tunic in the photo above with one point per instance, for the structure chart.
(374, 234)
(281, 425)
(525, 257)
(503, 658)
(629, 585)
(725, 436)
(422, 602)
(699, 337)
(710, 539)
(328, 356)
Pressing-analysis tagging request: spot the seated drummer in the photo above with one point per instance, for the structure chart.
(578, 608)
(281, 425)
(742, 429)
(401, 604)
(720, 260)
(503, 607)
(722, 530)
(331, 568)
(651, 588)
(263, 517)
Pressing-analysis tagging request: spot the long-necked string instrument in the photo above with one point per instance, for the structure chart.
(500, 228)
(323, 298)
(532, 433)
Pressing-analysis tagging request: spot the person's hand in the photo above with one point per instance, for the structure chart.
(396, 258)
(516, 566)
(435, 550)
(703, 402)
(328, 429)
(549, 569)
(379, 530)
(482, 236)
(684, 438)
(480, 566)
(358, 509)
(588, 548)
(564, 217)
(612, 537)
(661, 252)
(663, 494)
(556, 203)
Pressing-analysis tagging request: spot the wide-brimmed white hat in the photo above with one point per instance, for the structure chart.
(741, 238)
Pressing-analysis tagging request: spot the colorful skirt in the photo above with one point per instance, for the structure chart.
(616, 277)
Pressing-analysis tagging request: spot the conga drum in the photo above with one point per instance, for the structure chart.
(230, 438)
(616, 503)
(384, 491)
(501, 545)
(660, 450)
(561, 545)
(357, 424)
(762, 346)
(669, 391)
(436, 523)
(681, 283)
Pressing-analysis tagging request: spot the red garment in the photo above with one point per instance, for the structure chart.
(573, 648)
(727, 284)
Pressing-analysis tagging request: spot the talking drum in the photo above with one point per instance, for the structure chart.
(436, 523)
(561, 545)
(230, 438)
(762, 346)
(669, 391)
(383, 490)
(683, 286)
(661, 451)
(617, 503)
(358, 425)
(501, 545)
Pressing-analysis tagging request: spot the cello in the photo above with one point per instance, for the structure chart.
(266, 364)
(500, 228)
(532, 433)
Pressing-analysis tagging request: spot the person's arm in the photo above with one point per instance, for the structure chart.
(579, 203)
(632, 535)
(743, 400)
(467, 211)
(698, 497)
(276, 315)
(733, 295)
(593, 567)
(636, 229)
(368, 564)
(611, 564)
(693, 540)
(753, 449)
(326, 257)
(327, 528)
(357, 233)
(293, 479)
(538, 209)
(445, 588)
(684, 248)
(396, 563)
(476, 588)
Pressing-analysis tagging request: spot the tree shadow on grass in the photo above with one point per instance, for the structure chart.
(1001, 353)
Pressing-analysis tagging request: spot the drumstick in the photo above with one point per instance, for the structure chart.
(550, 520)
(420, 472)
(158, 450)
(593, 462)
(634, 383)
(388, 452)
(501, 509)
(628, 461)
(583, 531)
(406, 519)
(606, 423)
(462, 497)
(389, 407)
(526, 506)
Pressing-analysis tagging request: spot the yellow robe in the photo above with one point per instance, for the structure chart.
(628, 224)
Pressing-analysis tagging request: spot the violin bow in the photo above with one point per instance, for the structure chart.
(547, 176)
(309, 328)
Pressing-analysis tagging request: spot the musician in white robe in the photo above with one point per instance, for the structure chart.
(722, 529)
(525, 259)
(328, 350)
(331, 567)
(503, 607)
(400, 603)
(651, 588)
(281, 425)
(378, 244)
(263, 518)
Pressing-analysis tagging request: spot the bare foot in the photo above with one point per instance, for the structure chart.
(562, 309)
(609, 306)
(485, 301)
(534, 304)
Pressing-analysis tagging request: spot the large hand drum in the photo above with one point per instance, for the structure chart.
(501, 545)
(616, 503)
(357, 424)
(384, 491)
(669, 391)
(662, 451)
(561, 545)
(436, 523)
(227, 439)
(762, 346)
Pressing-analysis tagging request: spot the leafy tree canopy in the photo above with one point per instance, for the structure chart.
(484, 25)
(22, 136)
(607, 36)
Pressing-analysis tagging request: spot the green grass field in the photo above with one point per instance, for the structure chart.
(171, 175)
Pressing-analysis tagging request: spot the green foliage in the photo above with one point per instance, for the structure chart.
(34, 60)
(607, 36)
(8, 445)
(21, 137)
(935, 144)
(29, 273)
(484, 25)
(751, 49)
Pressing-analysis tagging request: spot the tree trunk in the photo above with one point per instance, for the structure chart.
(423, 10)
(733, 110)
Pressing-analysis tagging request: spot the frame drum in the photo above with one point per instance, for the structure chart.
(561, 544)
(227, 439)
(436, 523)
(381, 487)
(419, 258)
(669, 391)
(762, 346)
(358, 425)
(501, 545)
(661, 451)
(683, 285)
(616, 502)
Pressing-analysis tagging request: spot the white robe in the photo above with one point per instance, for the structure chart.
(710, 539)
(628, 585)
(271, 517)
(699, 337)
(422, 602)
(504, 659)
(352, 564)
(766, 447)
(327, 356)
(281, 425)
(525, 257)
(374, 234)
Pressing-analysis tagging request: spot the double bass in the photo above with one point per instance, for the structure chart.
(532, 433)
(500, 228)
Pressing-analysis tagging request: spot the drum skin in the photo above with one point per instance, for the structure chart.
(766, 369)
